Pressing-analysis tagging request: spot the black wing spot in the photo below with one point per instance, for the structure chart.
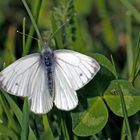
(16, 84)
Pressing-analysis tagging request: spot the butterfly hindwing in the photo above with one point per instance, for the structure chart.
(41, 101)
(65, 95)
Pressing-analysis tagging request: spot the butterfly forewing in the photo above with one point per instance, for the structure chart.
(78, 68)
(16, 77)
(27, 77)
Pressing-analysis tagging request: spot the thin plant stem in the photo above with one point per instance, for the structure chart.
(39, 46)
(64, 127)
(129, 48)
(123, 133)
(128, 131)
(125, 114)
(23, 35)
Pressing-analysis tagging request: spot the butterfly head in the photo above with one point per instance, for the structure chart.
(46, 50)
(46, 47)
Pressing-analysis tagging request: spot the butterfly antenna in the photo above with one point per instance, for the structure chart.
(51, 36)
(27, 35)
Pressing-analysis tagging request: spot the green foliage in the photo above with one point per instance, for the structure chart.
(91, 120)
(87, 27)
(131, 97)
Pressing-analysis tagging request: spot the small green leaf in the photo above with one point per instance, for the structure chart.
(92, 120)
(131, 97)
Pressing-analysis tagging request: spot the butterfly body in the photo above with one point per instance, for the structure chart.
(47, 58)
(49, 77)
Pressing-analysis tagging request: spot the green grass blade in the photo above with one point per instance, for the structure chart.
(136, 14)
(11, 121)
(29, 40)
(128, 131)
(137, 72)
(18, 113)
(23, 36)
(14, 107)
(123, 133)
(125, 115)
(25, 121)
(36, 12)
(135, 62)
(108, 31)
(7, 132)
(129, 49)
(64, 126)
(131, 9)
(138, 134)
(33, 20)
(47, 128)
(31, 135)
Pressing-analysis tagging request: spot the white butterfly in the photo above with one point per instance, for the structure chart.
(49, 77)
